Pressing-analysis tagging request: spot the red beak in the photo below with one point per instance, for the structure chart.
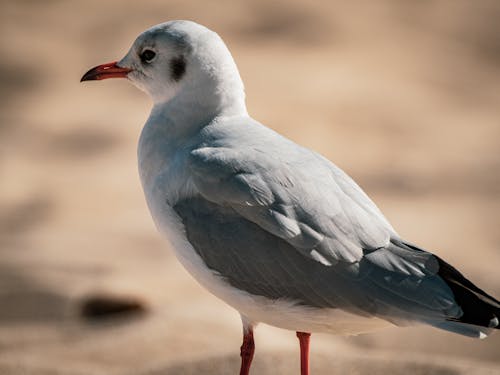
(104, 71)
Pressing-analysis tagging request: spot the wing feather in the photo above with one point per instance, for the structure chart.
(290, 224)
(301, 203)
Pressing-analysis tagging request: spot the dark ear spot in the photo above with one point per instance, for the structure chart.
(177, 67)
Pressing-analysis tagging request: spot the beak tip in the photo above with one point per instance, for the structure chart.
(91, 75)
(88, 77)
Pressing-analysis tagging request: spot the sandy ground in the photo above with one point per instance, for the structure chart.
(403, 95)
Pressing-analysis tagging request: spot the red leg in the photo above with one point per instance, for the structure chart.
(304, 339)
(247, 350)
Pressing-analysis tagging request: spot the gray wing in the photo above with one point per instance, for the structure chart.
(281, 221)
(252, 259)
(295, 195)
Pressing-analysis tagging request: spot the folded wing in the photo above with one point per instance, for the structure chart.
(283, 222)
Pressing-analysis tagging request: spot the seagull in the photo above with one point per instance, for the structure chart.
(272, 228)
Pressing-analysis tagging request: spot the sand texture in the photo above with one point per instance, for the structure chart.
(403, 95)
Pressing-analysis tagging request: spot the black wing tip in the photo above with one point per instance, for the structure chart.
(479, 308)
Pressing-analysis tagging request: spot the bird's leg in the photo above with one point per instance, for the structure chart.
(247, 349)
(304, 339)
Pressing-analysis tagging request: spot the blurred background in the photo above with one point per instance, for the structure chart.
(403, 95)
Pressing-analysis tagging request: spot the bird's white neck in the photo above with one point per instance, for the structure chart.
(197, 103)
(172, 129)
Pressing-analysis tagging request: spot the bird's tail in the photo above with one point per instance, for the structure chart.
(481, 312)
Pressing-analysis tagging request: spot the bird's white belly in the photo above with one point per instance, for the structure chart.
(279, 313)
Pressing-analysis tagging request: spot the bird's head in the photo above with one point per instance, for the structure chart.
(178, 57)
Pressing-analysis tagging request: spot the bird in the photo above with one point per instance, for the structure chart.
(272, 228)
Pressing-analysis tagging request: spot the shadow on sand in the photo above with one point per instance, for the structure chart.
(286, 363)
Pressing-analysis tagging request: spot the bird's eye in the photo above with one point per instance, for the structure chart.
(147, 56)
